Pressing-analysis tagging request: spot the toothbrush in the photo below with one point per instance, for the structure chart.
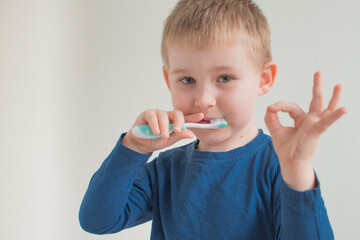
(144, 131)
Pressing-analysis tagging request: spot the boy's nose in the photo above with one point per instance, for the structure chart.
(205, 99)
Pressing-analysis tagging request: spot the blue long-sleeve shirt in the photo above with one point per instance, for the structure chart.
(191, 194)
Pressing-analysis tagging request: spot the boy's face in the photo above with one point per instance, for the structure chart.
(221, 82)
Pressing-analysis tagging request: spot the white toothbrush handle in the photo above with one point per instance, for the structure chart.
(145, 132)
(198, 125)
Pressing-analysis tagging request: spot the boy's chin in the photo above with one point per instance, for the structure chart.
(222, 140)
(211, 139)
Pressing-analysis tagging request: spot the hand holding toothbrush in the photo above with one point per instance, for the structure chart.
(159, 122)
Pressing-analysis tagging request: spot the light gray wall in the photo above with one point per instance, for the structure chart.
(75, 74)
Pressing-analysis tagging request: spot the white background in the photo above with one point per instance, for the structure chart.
(75, 74)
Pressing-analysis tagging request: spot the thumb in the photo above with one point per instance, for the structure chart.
(184, 134)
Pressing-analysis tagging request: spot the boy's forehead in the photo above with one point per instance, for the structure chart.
(182, 56)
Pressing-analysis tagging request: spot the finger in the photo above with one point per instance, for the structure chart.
(291, 108)
(335, 99)
(152, 119)
(177, 117)
(272, 120)
(317, 102)
(163, 119)
(328, 120)
(195, 117)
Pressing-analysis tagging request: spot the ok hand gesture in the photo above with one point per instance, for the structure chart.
(295, 146)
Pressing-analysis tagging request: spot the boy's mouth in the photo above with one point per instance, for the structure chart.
(207, 120)
(203, 121)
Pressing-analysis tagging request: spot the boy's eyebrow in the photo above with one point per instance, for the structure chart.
(226, 68)
(178, 70)
(217, 68)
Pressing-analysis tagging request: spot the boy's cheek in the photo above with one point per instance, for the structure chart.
(181, 103)
(240, 105)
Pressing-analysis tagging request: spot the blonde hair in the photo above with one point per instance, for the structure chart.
(204, 23)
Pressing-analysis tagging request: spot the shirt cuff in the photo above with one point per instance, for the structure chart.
(126, 154)
(301, 201)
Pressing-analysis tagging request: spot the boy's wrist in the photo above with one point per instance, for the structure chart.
(299, 176)
(129, 143)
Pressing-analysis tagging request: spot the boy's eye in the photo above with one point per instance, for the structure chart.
(224, 78)
(188, 80)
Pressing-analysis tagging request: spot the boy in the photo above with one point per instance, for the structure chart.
(231, 183)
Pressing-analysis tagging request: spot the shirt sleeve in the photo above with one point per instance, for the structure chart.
(300, 214)
(119, 194)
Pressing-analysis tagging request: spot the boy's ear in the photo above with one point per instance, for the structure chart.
(166, 77)
(267, 78)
